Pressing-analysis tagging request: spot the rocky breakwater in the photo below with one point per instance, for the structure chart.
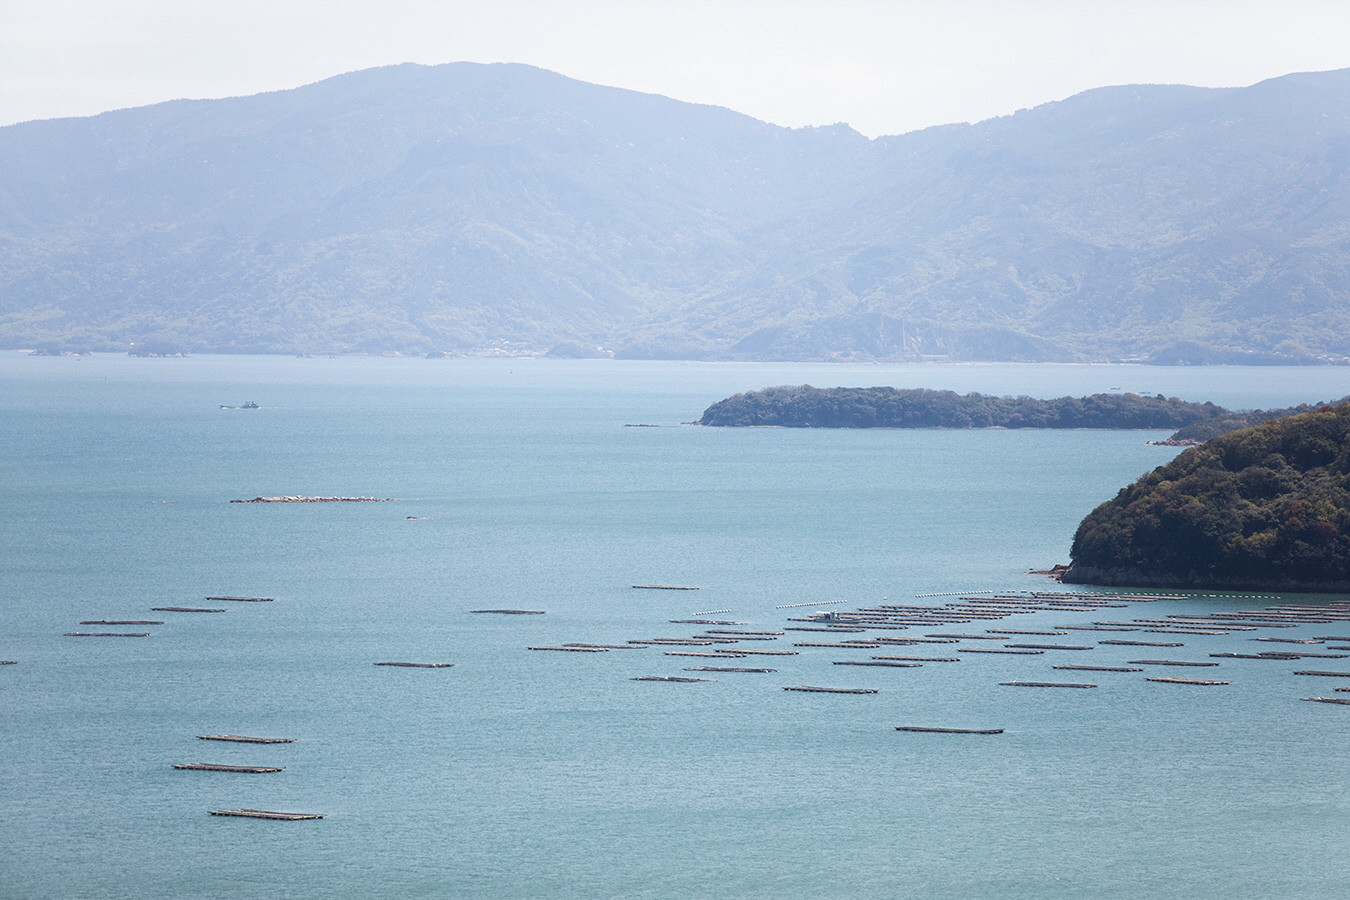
(317, 500)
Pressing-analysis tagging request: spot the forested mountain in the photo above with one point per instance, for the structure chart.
(1264, 508)
(474, 208)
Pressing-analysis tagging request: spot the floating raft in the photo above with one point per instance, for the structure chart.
(1046, 684)
(1343, 701)
(921, 659)
(217, 767)
(240, 739)
(107, 634)
(184, 609)
(511, 612)
(1326, 674)
(584, 646)
(848, 645)
(716, 654)
(1142, 644)
(1186, 681)
(1015, 631)
(1048, 647)
(120, 622)
(574, 649)
(831, 690)
(664, 587)
(828, 629)
(727, 669)
(1097, 628)
(1205, 627)
(9, 662)
(682, 642)
(706, 622)
(949, 730)
(1099, 668)
(878, 662)
(295, 499)
(264, 814)
(914, 641)
(667, 678)
(244, 599)
(1289, 640)
(1167, 662)
(999, 650)
(413, 665)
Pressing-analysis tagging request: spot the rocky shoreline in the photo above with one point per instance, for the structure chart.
(1124, 576)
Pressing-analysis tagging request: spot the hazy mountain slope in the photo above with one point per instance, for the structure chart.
(389, 209)
(466, 207)
(1116, 222)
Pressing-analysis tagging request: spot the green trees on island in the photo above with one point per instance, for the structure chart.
(888, 407)
(1264, 508)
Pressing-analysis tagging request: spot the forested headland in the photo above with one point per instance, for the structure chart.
(888, 407)
(1264, 508)
(804, 406)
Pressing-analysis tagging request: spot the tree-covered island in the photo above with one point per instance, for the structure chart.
(1264, 508)
(887, 407)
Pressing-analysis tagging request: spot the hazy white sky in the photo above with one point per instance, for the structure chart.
(883, 67)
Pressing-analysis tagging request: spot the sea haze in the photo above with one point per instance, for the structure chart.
(516, 484)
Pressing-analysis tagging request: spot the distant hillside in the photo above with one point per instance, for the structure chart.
(474, 208)
(1265, 508)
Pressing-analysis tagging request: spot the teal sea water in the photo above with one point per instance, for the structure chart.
(520, 773)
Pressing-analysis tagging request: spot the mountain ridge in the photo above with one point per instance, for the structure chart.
(472, 208)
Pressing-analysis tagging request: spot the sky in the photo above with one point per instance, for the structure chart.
(882, 67)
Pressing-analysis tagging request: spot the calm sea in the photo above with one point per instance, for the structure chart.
(522, 773)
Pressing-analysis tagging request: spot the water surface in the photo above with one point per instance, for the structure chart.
(534, 774)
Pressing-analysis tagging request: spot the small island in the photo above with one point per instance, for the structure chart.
(1264, 508)
(805, 406)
